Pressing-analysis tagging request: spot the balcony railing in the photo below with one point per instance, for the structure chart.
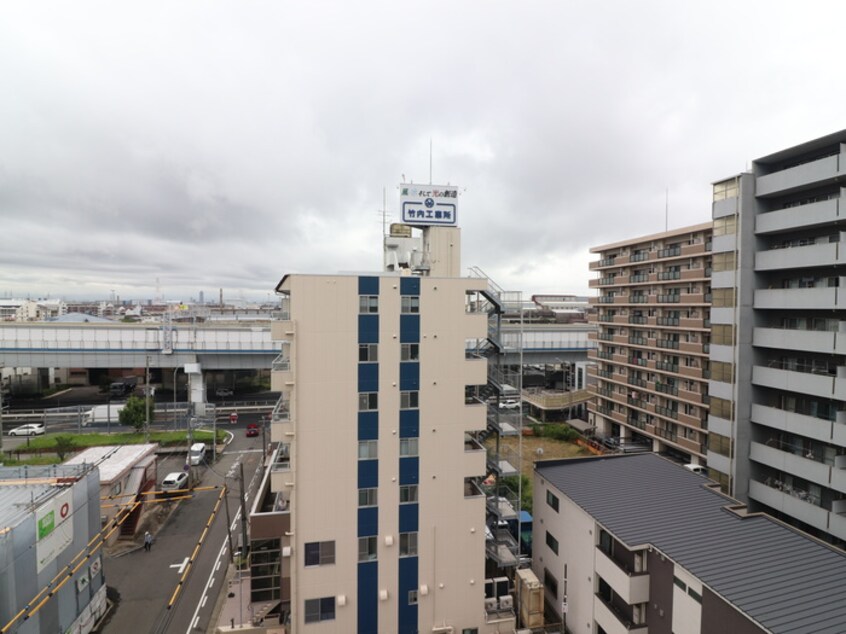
(667, 388)
(637, 319)
(668, 343)
(669, 413)
(639, 257)
(669, 275)
(667, 434)
(667, 367)
(668, 321)
(673, 298)
(669, 252)
(282, 363)
(281, 411)
(633, 380)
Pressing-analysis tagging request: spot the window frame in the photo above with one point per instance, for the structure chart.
(551, 542)
(409, 447)
(318, 609)
(368, 449)
(410, 400)
(408, 544)
(370, 550)
(325, 553)
(368, 352)
(553, 505)
(368, 401)
(368, 304)
(406, 490)
(410, 352)
(368, 493)
(410, 305)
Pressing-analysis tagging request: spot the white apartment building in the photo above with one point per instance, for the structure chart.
(377, 474)
(635, 544)
(777, 424)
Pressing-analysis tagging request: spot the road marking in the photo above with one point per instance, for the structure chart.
(217, 567)
(240, 451)
(203, 604)
(194, 624)
(211, 583)
(180, 567)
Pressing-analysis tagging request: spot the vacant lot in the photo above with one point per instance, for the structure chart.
(551, 449)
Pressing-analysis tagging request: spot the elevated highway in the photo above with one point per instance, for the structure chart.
(224, 347)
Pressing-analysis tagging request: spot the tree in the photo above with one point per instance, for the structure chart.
(64, 446)
(134, 413)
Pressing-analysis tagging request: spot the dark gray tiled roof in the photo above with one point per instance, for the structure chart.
(784, 580)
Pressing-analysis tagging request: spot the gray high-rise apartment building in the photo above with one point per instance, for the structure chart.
(777, 422)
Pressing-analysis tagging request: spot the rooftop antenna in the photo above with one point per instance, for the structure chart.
(667, 209)
(430, 160)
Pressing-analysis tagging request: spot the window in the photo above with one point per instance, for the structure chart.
(408, 400)
(367, 497)
(550, 581)
(722, 372)
(722, 334)
(410, 304)
(319, 553)
(408, 544)
(722, 408)
(367, 548)
(722, 297)
(368, 303)
(719, 444)
(470, 630)
(408, 494)
(694, 595)
(368, 449)
(317, 610)
(368, 352)
(726, 189)
(410, 352)
(724, 261)
(681, 584)
(412, 597)
(551, 542)
(552, 501)
(725, 226)
(408, 447)
(368, 401)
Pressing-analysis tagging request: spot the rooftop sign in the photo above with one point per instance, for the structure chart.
(426, 205)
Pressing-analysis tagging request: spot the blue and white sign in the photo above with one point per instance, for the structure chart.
(426, 205)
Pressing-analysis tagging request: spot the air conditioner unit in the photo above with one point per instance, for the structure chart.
(490, 605)
(506, 602)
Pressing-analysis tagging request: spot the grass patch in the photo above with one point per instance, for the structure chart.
(81, 441)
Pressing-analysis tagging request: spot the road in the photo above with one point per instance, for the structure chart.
(147, 582)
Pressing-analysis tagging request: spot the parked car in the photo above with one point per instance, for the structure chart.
(175, 481)
(32, 429)
(697, 468)
(223, 392)
(509, 404)
(252, 430)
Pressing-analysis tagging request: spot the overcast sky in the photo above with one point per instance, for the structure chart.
(223, 144)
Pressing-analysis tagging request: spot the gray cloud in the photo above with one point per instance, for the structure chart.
(218, 145)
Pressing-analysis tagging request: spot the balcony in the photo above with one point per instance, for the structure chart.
(669, 252)
(799, 298)
(501, 547)
(790, 501)
(806, 256)
(669, 299)
(614, 620)
(791, 459)
(811, 215)
(280, 467)
(671, 344)
(808, 426)
(822, 170)
(667, 388)
(792, 339)
(630, 586)
(282, 410)
(821, 385)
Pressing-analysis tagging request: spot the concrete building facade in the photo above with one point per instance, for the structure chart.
(378, 513)
(778, 355)
(635, 544)
(652, 313)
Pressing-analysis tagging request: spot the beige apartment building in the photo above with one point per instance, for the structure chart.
(653, 319)
(382, 521)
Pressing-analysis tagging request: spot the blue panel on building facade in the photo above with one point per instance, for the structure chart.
(409, 471)
(368, 328)
(409, 518)
(409, 423)
(368, 425)
(368, 521)
(409, 286)
(368, 474)
(368, 377)
(409, 328)
(409, 376)
(368, 597)
(407, 614)
(368, 285)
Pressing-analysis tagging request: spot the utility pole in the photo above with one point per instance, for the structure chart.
(228, 521)
(244, 544)
(147, 402)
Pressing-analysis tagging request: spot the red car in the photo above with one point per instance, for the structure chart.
(252, 430)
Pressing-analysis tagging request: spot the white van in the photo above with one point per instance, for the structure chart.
(197, 454)
(697, 468)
